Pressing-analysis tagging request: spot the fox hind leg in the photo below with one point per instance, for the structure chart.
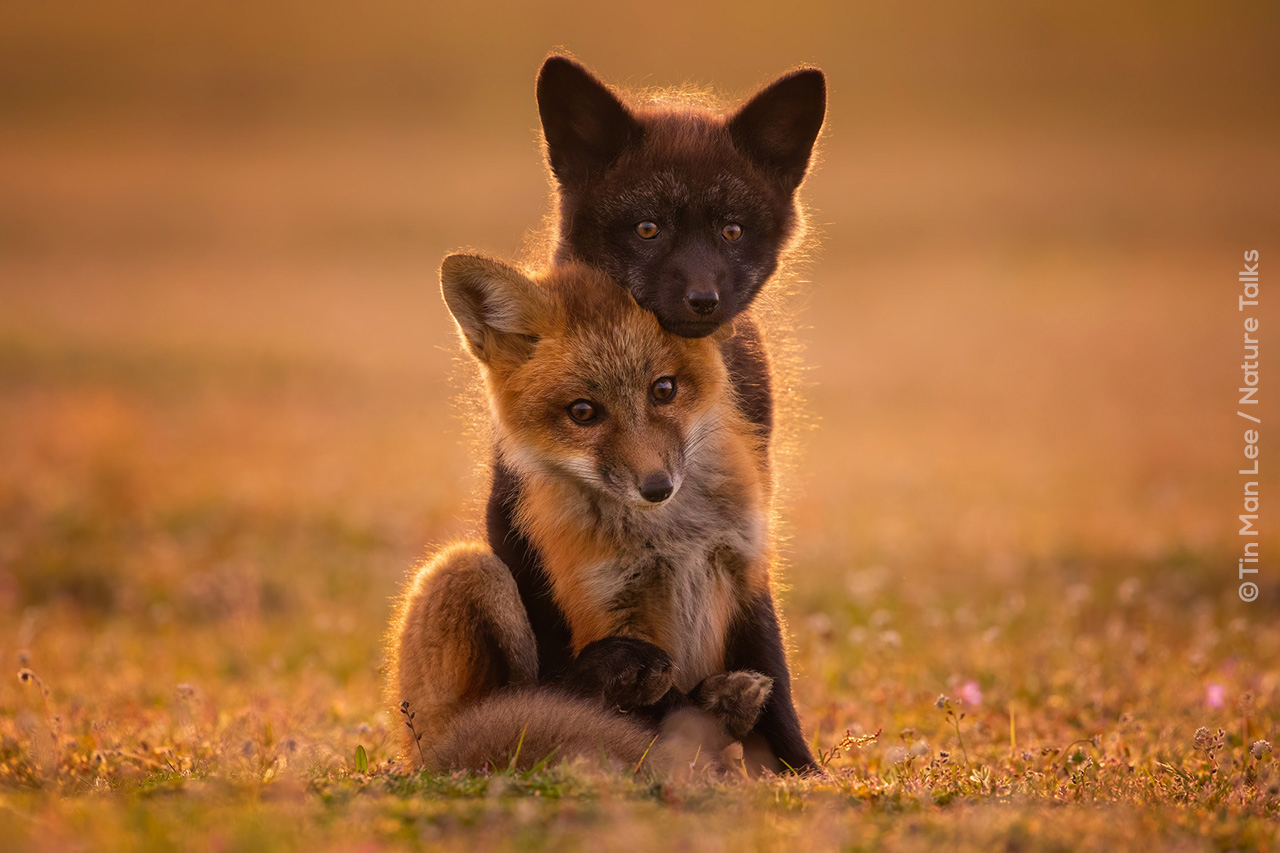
(461, 633)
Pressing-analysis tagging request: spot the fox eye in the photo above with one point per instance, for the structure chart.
(663, 389)
(732, 231)
(647, 230)
(582, 411)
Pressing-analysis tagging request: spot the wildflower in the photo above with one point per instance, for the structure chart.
(971, 693)
(1128, 590)
(892, 639)
(942, 702)
(1260, 749)
(820, 624)
(1215, 695)
(1208, 741)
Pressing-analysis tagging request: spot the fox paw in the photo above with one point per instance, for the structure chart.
(625, 672)
(734, 699)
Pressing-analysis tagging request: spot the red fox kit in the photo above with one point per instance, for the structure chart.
(640, 483)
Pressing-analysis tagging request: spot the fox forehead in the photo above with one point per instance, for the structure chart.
(683, 188)
(603, 364)
(682, 161)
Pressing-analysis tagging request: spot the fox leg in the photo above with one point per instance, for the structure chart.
(460, 634)
(751, 375)
(623, 672)
(755, 643)
(735, 700)
(635, 676)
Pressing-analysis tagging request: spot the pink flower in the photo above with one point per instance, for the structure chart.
(971, 693)
(1215, 695)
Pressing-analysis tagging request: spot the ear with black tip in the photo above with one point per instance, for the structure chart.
(585, 124)
(778, 126)
(500, 312)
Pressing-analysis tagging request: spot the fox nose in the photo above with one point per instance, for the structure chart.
(656, 488)
(703, 302)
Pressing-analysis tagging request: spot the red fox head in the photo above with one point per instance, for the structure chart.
(585, 385)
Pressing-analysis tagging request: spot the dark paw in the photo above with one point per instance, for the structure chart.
(624, 672)
(734, 699)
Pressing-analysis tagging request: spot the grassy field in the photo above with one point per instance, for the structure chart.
(228, 430)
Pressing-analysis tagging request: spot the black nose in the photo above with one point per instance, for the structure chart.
(702, 301)
(656, 488)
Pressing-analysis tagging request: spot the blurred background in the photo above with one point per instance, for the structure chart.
(227, 380)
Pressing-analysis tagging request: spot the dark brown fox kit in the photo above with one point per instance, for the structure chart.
(690, 211)
(638, 481)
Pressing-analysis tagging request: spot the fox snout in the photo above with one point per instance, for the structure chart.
(703, 301)
(656, 487)
(695, 292)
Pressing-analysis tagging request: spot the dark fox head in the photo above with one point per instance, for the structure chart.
(688, 209)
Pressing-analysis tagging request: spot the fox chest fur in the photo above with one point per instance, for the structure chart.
(676, 576)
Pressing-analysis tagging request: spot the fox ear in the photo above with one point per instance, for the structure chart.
(499, 310)
(778, 126)
(585, 124)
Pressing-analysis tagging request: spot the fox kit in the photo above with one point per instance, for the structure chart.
(639, 482)
(690, 211)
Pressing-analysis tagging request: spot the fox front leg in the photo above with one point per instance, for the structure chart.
(735, 700)
(623, 672)
(755, 643)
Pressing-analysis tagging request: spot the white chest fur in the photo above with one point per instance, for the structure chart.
(677, 577)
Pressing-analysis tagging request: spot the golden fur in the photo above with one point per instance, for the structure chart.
(522, 728)
(460, 632)
(674, 573)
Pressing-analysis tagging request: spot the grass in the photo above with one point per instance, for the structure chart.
(1009, 528)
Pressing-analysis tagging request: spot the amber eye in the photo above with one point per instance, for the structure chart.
(582, 411)
(664, 389)
(732, 231)
(647, 230)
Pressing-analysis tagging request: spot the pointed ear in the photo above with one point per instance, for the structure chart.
(778, 126)
(500, 312)
(585, 124)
